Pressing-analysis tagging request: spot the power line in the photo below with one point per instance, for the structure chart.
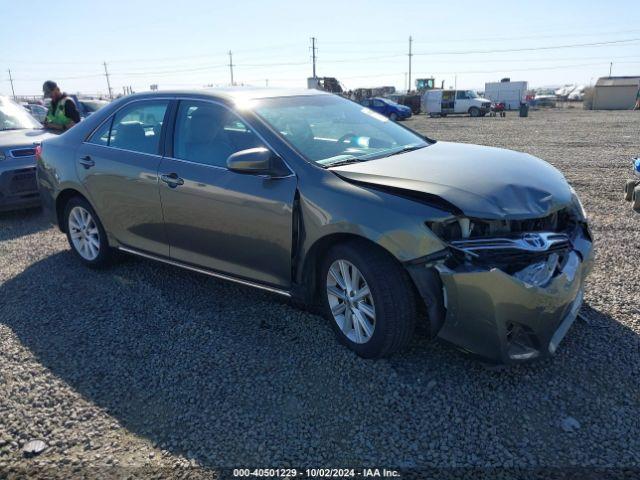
(528, 49)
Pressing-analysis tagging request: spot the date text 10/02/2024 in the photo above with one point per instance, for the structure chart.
(316, 472)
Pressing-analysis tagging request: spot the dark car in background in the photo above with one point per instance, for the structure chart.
(388, 108)
(310, 196)
(88, 106)
(20, 133)
(411, 100)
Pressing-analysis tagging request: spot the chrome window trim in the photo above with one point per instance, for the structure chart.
(125, 150)
(204, 271)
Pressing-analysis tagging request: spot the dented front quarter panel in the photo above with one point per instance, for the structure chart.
(394, 223)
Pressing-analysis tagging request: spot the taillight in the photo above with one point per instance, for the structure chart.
(38, 152)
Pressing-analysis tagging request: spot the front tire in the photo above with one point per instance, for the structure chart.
(85, 234)
(368, 298)
(393, 117)
(474, 112)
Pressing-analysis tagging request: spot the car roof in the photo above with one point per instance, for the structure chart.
(235, 94)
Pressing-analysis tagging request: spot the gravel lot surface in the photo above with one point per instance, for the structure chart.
(145, 366)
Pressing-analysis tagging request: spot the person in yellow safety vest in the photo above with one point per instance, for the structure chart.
(63, 113)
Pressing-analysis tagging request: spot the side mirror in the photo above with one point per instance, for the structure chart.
(258, 161)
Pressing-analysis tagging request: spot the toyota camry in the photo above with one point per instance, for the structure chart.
(314, 197)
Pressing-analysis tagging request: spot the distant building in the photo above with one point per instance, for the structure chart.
(616, 93)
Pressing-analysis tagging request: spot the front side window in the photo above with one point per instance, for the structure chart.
(137, 127)
(208, 133)
(461, 95)
(327, 129)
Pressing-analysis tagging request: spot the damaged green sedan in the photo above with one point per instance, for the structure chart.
(311, 196)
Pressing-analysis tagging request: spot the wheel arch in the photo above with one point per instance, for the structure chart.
(308, 271)
(61, 202)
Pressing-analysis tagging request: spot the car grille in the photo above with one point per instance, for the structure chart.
(23, 181)
(23, 152)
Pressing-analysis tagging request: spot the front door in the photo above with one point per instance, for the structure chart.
(463, 101)
(119, 168)
(233, 223)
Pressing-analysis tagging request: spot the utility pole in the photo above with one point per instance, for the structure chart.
(313, 55)
(610, 68)
(106, 74)
(231, 67)
(410, 55)
(11, 81)
(266, 82)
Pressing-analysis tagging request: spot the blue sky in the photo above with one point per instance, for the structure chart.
(184, 44)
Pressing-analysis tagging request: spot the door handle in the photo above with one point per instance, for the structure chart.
(86, 162)
(172, 179)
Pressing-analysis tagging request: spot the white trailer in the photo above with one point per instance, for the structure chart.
(509, 93)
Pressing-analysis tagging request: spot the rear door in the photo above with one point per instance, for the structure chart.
(233, 223)
(118, 166)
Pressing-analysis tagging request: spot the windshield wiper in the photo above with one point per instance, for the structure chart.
(408, 148)
(339, 163)
(11, 128)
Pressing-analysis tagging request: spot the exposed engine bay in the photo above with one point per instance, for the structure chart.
(531, 250)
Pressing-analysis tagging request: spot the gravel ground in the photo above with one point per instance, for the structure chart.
(147, 368)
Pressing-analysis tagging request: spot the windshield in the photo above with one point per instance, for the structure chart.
(472, 94)
(15, 117)
(93, 105)
(329, 130)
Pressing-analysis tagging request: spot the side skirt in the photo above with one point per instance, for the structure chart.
(206, 272)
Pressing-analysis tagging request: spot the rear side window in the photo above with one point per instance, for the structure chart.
(136, 127)
(101, 135)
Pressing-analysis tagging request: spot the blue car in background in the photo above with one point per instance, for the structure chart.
(394, 111)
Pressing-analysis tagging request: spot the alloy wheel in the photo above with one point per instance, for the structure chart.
(84, 233)
(351, 301)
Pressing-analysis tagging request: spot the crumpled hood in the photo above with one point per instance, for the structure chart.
(22, 138)
(483, 182)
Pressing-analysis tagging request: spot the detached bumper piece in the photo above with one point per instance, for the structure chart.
(513, 298)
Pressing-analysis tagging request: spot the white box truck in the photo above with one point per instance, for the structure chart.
(440, 103)
(507, 92)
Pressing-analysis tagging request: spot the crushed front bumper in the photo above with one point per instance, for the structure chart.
(492, 314)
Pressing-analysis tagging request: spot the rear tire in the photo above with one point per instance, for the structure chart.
(86, 235)
(474, 112)
(388, 307)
